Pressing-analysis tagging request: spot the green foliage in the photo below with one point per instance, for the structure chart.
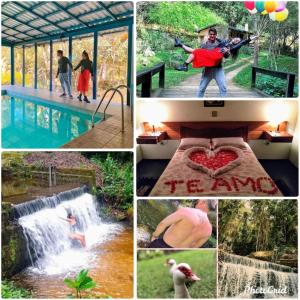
(154, 280)
(270, 85)
(255, 225)
(183, 15)
(80, 283)
(117, 179)
(10, 291)
(157, 44)
(13, 159)
(14, 162)
(234, 13)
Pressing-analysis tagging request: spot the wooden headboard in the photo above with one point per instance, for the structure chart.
(251, 130)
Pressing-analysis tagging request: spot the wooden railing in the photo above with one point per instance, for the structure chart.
(290, 77)
(145, 79)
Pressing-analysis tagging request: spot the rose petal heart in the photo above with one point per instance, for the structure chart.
(214, 162)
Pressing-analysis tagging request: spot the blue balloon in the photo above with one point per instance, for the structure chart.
(260, 6)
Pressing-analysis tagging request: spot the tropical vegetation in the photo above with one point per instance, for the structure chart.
(159, 22)
(250, 226)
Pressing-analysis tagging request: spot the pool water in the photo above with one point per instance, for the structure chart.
(30, 123)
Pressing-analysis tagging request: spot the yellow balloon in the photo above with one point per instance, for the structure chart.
(264, 12)
(281, 15)
(270, 6)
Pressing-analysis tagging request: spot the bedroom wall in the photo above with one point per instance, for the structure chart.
(294, 152)
(253, 110)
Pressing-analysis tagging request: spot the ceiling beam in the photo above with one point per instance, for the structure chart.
(107, 10)
(97, 28)
(23, 23)
(9, 28)
(38, 15)
(69, 13)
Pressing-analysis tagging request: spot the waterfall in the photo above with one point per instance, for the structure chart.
(245, 277)
(47, 233)
(30, 207)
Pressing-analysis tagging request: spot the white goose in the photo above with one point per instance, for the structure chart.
(181, 274)
(171, 263)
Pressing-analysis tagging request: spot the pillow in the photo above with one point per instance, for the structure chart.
(194, 142)
(228, 141)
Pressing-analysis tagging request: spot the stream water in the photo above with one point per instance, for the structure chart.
(243, 277)
(54, 256)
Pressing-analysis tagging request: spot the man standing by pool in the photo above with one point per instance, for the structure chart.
(63, 73)
(217, 72)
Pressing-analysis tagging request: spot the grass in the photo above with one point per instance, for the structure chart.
(10, 291)
(270, 85)
(154, 281)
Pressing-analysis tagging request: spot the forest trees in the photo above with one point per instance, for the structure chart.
(247, 226)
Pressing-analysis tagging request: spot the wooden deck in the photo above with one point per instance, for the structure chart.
(188, 88)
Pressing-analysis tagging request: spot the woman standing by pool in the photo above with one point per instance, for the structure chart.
(86, 72)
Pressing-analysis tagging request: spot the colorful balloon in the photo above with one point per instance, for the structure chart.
(280, 6)
(270, 6)
(249, 5)
(282, 15)
(260, 6)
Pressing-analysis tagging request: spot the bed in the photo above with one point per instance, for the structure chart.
(248, 178)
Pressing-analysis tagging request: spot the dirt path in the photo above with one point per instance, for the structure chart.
(188, 88)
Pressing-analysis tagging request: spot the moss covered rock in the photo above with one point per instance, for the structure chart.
(15, 255)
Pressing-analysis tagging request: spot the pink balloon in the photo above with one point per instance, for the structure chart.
(281, 6)
(249, 5)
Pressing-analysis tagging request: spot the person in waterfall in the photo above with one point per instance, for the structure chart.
(63, 73)
(186, 228)
(74, 235)
(86, 71)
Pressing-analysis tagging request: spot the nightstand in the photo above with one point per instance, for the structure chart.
(151, 138)
(278, 137)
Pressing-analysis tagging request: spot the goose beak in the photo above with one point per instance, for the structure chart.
(194, 277)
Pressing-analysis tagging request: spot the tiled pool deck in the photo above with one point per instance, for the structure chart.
(106, 134)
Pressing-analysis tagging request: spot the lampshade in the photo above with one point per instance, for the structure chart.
(153, 113)
(277, 113)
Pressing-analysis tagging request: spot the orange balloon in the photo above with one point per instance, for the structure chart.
(270, 6)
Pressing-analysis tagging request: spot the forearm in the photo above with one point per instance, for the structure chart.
(159, 229)
(77, 66)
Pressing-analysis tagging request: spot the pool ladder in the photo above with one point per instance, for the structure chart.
(116, 90)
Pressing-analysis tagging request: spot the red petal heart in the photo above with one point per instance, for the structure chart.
(221, 159)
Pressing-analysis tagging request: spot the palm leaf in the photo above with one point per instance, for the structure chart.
(82, 275)
(70, 283)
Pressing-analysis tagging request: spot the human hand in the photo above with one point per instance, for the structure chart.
(226, 50)
(153, 237)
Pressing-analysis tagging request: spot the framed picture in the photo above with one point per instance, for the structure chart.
(214, 103)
